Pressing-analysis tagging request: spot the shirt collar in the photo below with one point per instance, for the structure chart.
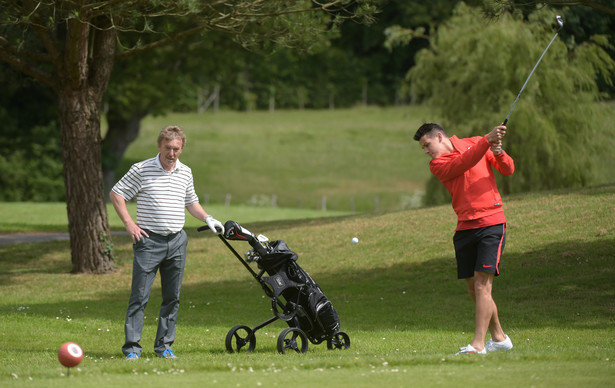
(457, 143)
(178, 164)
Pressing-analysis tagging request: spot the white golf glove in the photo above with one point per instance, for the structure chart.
(215, 225)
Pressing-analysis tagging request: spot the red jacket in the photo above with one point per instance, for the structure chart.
(468, 176)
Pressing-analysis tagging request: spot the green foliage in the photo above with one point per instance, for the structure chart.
(301, 30)
(474, 70)
(582, 24)
(317, 63)
(435, 192)
(108, 246)
(33, 172)
(30, 151)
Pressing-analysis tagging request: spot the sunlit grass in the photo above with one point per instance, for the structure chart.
(396, 293)
(52, 217)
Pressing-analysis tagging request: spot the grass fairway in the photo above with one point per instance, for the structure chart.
(395, 291)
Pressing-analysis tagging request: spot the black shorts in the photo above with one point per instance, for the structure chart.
(479, 250)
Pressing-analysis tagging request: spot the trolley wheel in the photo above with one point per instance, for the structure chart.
(238, 337)
(292, 339)
(340, 340)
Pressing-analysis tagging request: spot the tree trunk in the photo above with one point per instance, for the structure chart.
(88, 225)
(84, 75)
(122, 132)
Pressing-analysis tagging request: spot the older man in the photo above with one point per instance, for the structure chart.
(163, 187)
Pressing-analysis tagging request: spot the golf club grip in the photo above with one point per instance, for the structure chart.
(505, 121)
(203, 228)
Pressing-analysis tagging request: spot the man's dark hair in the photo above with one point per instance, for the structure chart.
(428, 128)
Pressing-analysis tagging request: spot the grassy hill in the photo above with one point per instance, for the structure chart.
(349, 156)
(395, 291)
(361, 159)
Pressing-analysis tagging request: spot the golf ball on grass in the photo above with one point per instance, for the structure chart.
(70, 354)
(355, 240)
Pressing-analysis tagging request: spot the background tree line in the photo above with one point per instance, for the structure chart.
(156, 61)
(354, 65)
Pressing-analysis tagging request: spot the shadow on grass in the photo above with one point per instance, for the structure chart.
(25, 227)
(50, 257)
(569, 284)
(53, 256)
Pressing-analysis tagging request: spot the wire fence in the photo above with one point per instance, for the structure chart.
(363, 204)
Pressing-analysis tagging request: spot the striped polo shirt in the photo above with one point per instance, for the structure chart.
(162, 196)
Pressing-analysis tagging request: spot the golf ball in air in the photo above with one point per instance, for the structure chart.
(355, 240)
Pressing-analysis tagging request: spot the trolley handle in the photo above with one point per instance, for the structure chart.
(230, 247)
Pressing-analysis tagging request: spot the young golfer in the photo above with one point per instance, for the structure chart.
(465, 168)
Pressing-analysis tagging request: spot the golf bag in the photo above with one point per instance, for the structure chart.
(295, 297)
(281, 262)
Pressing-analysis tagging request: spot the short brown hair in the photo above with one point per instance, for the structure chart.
(172, 132)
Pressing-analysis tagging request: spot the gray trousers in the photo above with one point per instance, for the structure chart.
(167, 254)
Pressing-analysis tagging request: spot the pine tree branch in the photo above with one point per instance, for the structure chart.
(16, 59)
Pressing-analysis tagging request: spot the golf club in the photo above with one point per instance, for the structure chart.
(561, 25)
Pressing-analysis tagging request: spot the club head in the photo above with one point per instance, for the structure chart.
(234, 231)
(560, 22)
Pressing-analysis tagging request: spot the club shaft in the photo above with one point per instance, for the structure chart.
(528, 78)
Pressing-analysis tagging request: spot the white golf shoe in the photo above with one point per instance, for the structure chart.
(470, 350)
(493, 346)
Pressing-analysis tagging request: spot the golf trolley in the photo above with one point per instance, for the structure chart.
(295, 297)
